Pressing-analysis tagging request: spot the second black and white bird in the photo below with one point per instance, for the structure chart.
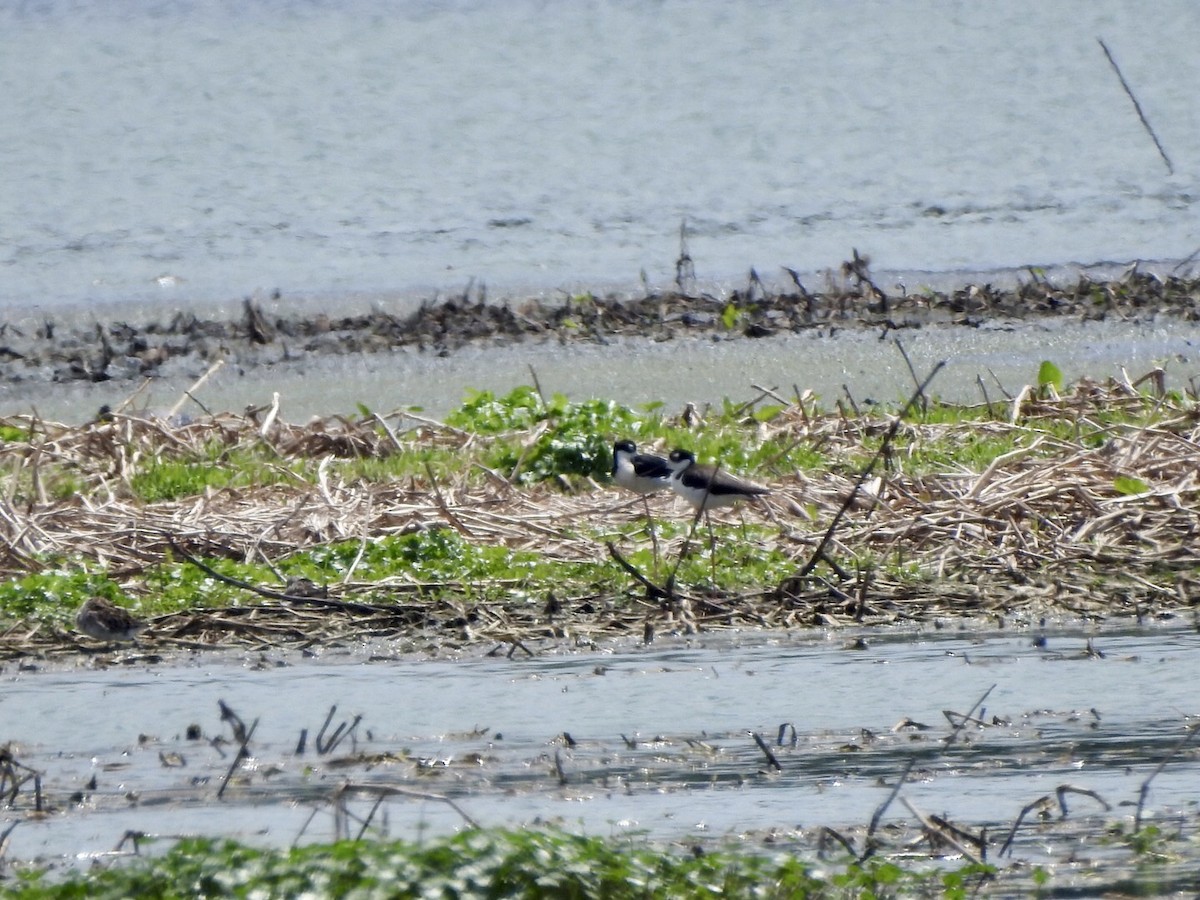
(708, 487)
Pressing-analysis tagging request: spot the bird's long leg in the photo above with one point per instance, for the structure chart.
(653, 534)
(712, 538)
(687, 546)
(712, 547)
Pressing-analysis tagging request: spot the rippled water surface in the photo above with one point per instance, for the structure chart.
(174, 153)
(660, 737)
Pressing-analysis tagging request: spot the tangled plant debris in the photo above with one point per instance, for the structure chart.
(250, 531)
(118, 350)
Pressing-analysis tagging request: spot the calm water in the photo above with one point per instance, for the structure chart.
(176, 154)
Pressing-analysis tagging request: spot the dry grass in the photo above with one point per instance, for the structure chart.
(1050, 528)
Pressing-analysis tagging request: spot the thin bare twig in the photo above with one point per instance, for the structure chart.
(1144, 790)
(827, 539)
(1137, 107)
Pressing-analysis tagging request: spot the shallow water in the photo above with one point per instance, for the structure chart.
(662, 735)
(176, 154)
(1002, 356)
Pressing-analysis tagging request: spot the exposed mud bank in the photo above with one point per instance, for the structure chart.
(185, 345)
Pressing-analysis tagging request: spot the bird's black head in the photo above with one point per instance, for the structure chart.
(682, 457)
(627, 445)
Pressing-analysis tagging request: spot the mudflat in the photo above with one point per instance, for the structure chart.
(62, 352)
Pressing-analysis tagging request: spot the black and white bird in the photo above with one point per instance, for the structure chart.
(708, 487)
(642, 473)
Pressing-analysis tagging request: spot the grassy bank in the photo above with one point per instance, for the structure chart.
(499, 525)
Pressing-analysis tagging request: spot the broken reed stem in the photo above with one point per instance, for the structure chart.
(237, 759)
(1144, 791)
(537, 386)
(324, 602)
(442, 505)
(1137, 107)
(888, 437)
(312, 814)
(762, 745)
(189, 394)
(826, 834)
(386, 790)
(875, 819)
(912, 373)
(935, 829)
(322, 749)
(1060, 792)
(559, 769)
(653, 591)
(687, 543)
(4, 837)
(366, 823)
(339, 734)
(869, 849)
(968, 717)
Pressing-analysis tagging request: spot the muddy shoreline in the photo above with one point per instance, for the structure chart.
(72, 351)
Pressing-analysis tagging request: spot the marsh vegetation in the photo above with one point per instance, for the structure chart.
(499, 524)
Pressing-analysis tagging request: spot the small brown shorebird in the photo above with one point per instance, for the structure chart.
(708, 487)
(103, 621)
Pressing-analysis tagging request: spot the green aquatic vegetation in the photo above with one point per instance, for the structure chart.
(416, 461)
(440, 559)
(51, 482)
(62, 485)
(482, 412)
(535, 439)
(1049, 376)
(170, 478)
(575, 438)
(937, 412)
(473, 865)
(972, 451)
(54, 593)
(13, 434)
(435, 556)
(941, 439)
(572, 438)
(1150, 844)
(747, 557)
(493, 863)
(1124, 484)
(174, 585)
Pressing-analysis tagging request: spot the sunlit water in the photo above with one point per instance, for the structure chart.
(177, 154)
(662, 735)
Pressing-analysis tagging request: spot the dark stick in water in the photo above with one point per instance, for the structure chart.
(1137, 107)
